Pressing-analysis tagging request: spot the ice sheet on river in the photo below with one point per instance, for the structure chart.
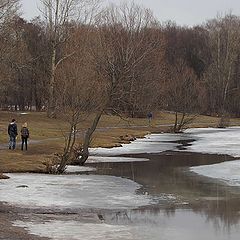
(215, 140)
(207, 140)
(154, 143)
(72, 191)
(101, 159)
(218, 141)
(228, 172)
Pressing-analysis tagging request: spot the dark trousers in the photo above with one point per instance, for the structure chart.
(12, 142)
(24, 140)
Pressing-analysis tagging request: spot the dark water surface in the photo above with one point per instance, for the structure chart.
(195, 207)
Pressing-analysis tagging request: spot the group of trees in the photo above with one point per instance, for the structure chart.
(79, 58)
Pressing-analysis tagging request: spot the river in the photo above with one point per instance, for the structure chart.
(161, 187)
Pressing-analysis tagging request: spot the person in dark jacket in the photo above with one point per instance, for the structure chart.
(149, 117)
(12, 132)
(24, 135)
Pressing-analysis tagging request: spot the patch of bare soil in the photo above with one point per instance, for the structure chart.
(10, 232)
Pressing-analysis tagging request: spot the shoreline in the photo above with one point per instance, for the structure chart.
(11, 213)
(8, 231)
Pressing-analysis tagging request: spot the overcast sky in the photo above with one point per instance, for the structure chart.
(183, 12)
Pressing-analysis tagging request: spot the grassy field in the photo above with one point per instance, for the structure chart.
(46, 136)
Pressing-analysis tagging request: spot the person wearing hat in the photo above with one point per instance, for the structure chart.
(24, 135)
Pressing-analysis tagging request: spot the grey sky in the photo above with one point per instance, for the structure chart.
(183, 12)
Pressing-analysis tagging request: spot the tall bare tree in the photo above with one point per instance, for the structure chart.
(81, 93)
(58, 15)
(224, 34)
(122, 42)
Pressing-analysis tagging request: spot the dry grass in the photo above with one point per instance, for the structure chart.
(48, 136)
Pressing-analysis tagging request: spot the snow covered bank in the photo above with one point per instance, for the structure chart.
(99, 159)
(74, 169)
(228, 172)
(215, 140)
(218, 141)
(72, 191)
(154, 143)
(207, 140)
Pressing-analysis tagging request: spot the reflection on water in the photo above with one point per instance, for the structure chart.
(195, 207)
(201, 201)
(143, 224)
(175, 225)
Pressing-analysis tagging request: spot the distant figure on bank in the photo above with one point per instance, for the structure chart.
(149, 117)
(24, 135)
(12, 132)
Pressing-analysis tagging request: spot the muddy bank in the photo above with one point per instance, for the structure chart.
(7, 230)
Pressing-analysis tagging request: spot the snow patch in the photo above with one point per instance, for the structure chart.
(72, 191)
(74, 169)
(215, 140)
(229, 172)
(154, 143)
(99, 159)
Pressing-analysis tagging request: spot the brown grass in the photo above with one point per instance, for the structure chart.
(112, 131)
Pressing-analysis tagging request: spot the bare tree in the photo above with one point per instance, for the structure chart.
(181, 95)
(224, 34)
(8, 8)
(181, 88)
(58, 15)
(80, 94)
(122, 42)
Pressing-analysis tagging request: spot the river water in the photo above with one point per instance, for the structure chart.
(164, 198)
(199, 208)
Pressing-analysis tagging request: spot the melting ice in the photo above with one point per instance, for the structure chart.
(72, 191)
(218, 141)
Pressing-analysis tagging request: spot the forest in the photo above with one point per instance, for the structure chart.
(121, 54)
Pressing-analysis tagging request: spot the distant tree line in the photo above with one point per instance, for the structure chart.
(79, 58)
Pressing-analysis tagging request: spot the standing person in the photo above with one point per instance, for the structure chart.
(24, 135)
(12, 132)
(149, 117)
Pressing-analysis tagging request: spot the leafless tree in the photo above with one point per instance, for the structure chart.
(8, 8)
(224, 34)
(58, 15)
(122, 42)
(181, 88)
(80, 95)
(181, 94)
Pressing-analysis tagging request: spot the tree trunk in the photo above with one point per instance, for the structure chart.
(87, 139)
(51, 112)
(180, 125)
(69, 145)
(176, 122)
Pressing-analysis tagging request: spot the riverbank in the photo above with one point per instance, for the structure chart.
(136, 199)
(47, 136)
(9, 214)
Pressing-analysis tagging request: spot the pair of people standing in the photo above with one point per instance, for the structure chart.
(13, 132)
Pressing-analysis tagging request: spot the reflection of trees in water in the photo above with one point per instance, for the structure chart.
(224, 214)
(149, 215)
(165, 174)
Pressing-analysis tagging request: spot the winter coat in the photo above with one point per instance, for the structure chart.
(12, 129)
(25, 132)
